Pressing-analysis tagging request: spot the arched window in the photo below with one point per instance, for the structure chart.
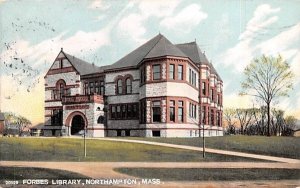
(60, 88)
(100, 120)
(119, 87)
(128, 86)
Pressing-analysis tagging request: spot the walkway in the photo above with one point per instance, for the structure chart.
(209, 150)
(105, 169)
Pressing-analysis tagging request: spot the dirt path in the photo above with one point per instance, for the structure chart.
(209, 150)
(105, 169)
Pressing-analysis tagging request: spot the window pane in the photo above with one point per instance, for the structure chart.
(180, 72)
(156, 103)
(180, 114)
(172, 103)
(171, 71)
(156, 72)
(119, 86)
(172, 114)
(128, 85)
(129, 113)
(180, 103)
(156, 114)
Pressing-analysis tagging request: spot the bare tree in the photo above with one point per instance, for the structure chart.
(267, 78)
(289, 125)
(230, 118)
(245, 116)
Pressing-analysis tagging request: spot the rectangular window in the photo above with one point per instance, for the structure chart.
(119, 133)
(97, 88)
(212, 119)
(156, 72)
(118, 111)
(172, 111)
(156, 133)
(86, 88)
(143, 75)
(124, 111)
(203, 88)
(172, 71)
(180, 111)
(101, 88)
(135, 111)
(194, 79)
(218, 119)
(156, 114)
(190, 76)
(129, 111)
(56, 118)
(61, 63)
(180, 72)
(143, 111)
(212, 94)
(113, 112)
(91, 88)
(195, 111)
(127, 132)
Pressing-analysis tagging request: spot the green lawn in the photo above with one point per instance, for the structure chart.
(217, 174)
(275, 146)
(21, 173)
(70, 149)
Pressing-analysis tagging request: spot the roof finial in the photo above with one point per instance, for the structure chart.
(204, 52)
(61, 49)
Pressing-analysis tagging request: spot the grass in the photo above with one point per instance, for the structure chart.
(217, 174)
(21, 173)
(70, 149)
(274, 146)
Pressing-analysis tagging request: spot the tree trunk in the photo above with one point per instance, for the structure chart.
(269, 121)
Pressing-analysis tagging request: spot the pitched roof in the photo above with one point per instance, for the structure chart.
(196, 55)
(156, 47)
(83, 67)
(2, 117)
(193, 51)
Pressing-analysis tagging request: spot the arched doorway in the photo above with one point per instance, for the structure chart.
(77, 125)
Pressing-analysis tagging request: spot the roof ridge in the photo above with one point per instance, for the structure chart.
(160, 36)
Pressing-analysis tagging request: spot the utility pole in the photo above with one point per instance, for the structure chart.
(200, 114)
(84, 140)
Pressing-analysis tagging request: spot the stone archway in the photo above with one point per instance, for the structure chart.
(77, 125)
(76, 122)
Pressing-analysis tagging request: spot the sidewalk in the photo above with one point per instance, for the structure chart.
(209, 150)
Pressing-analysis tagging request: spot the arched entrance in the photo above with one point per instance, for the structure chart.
(77, 125)
(76, 121)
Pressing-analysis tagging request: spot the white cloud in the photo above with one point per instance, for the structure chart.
(242, 53)
(282, 41)
(132, 25)
(260, 20)
(186, 19)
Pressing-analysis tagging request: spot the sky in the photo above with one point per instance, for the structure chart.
(230, 32)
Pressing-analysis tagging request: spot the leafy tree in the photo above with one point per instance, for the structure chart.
(267, 78)
(19, 121)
